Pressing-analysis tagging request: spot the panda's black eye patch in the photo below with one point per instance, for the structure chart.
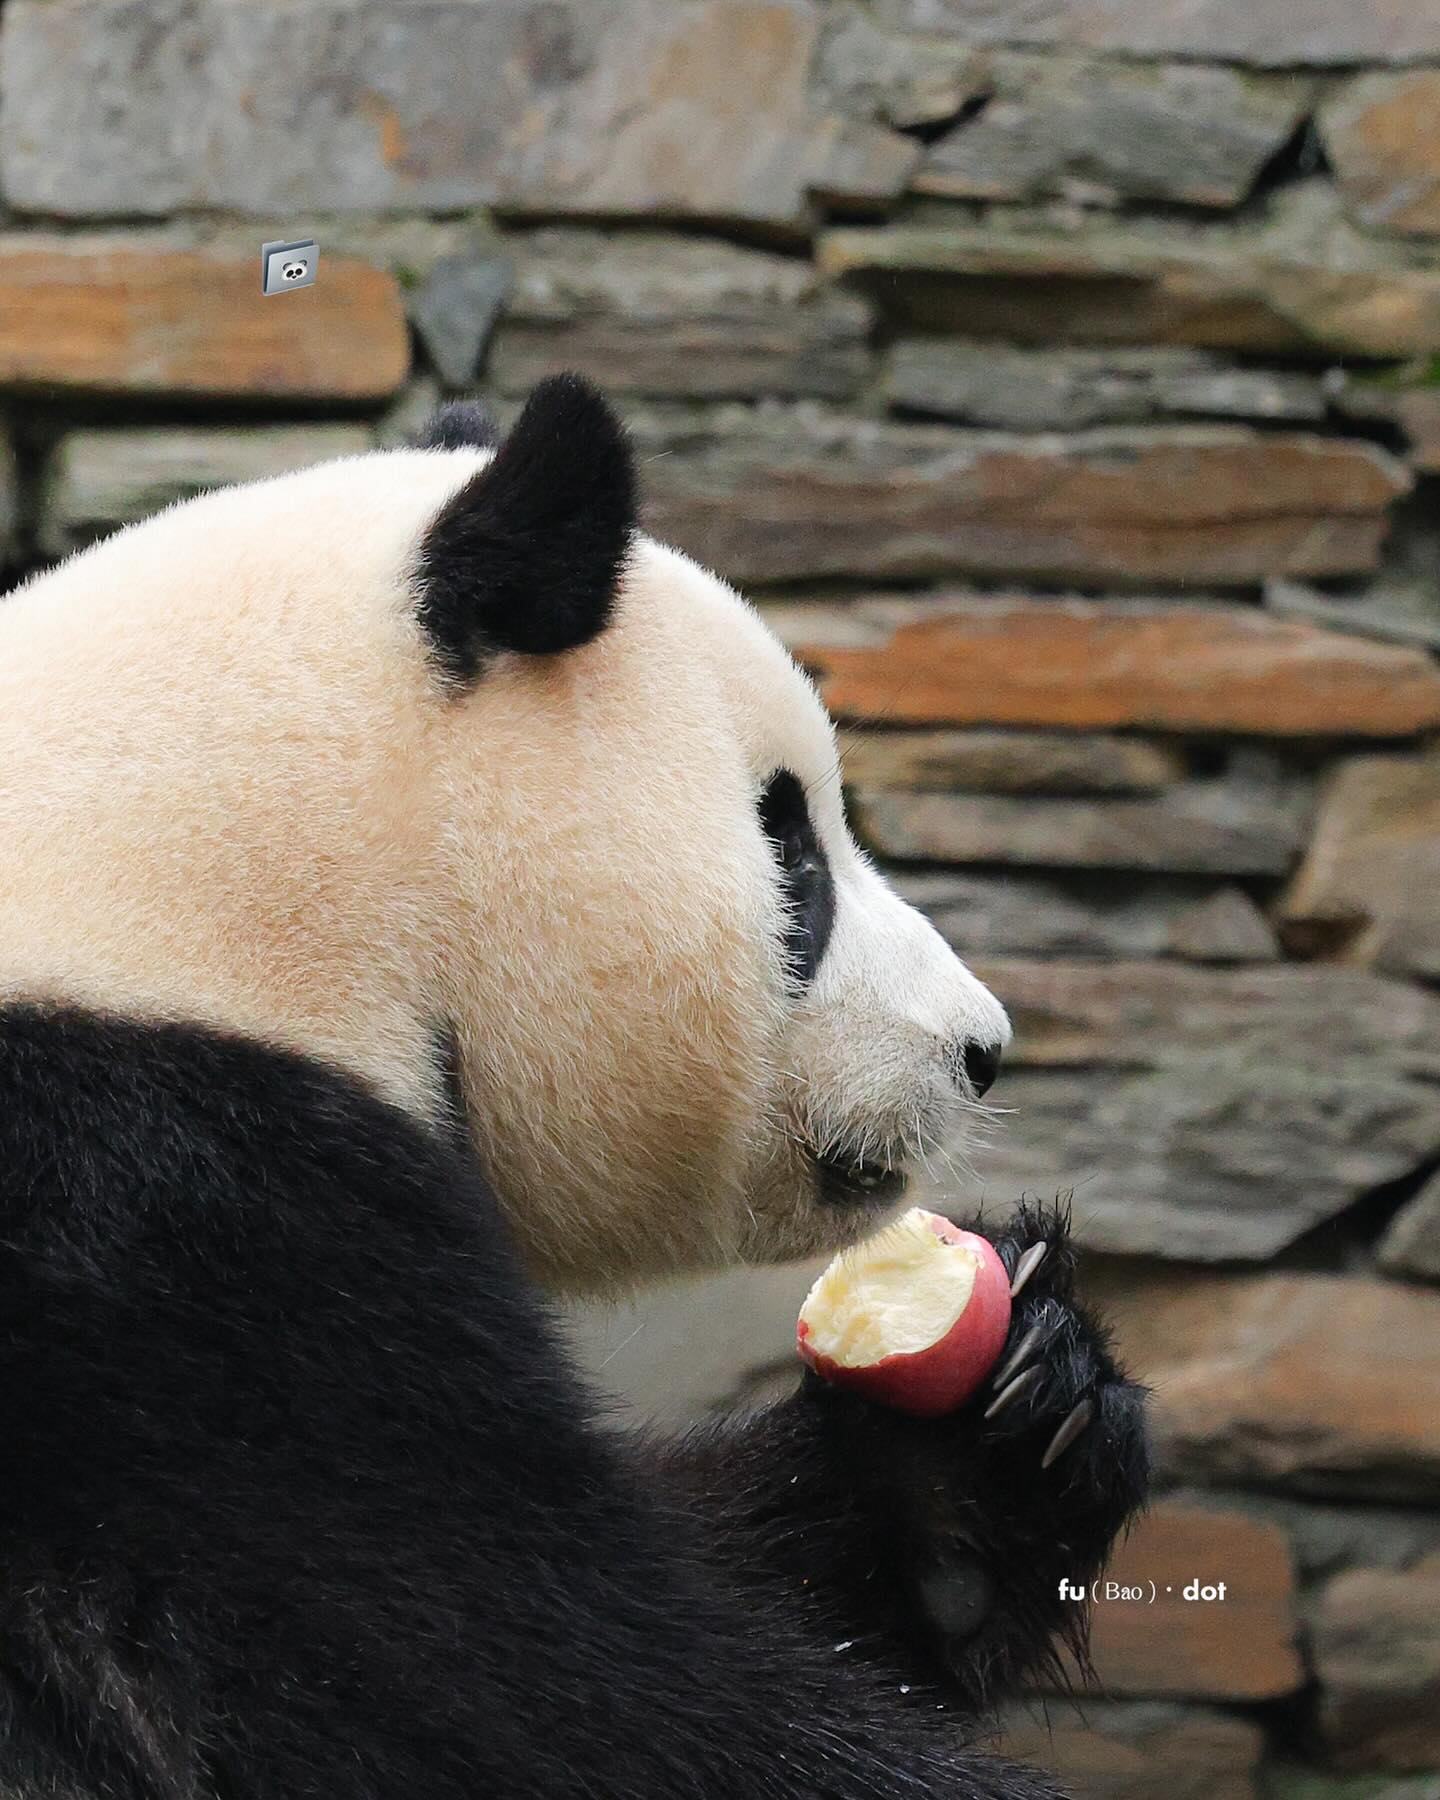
(809, 888)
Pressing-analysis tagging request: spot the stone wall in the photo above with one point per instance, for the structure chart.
(1064, 376)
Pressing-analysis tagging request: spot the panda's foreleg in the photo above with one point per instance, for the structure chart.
(961, 1540)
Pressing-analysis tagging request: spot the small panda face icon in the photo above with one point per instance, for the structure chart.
(286, 263)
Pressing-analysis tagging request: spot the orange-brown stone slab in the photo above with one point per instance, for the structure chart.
(186, 323)
(1315, 1383)
(1377, 1653)
(1089, 665)
(1383, 136)
(1147, 1638)
(1136, 1749)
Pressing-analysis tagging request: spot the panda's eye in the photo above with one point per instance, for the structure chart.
(809, 891)
(794, 852)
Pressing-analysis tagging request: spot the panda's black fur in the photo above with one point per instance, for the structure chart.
(303, 1499)
(549, 520)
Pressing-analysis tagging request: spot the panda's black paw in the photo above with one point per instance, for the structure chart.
(1057, 1397)
(998, 1513)
(1046, 1466)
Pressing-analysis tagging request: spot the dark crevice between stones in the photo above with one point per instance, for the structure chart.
(1291, 1727)
(1346, 1243)
(930, 131)
(1300, 158)
(32, 439)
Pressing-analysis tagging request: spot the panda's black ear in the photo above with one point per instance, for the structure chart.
(528, 555)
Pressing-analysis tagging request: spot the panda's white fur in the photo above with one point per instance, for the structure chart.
(233, 790)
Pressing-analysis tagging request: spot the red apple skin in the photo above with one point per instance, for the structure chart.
(929, 1383)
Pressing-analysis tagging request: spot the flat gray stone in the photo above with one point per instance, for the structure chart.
(1411, 1246)
(667, 108)
(1212, 1157)
(1134, 1750)
(1325, 1539)
(1207, 1114)
(1115, 131)
(784, 493)
(1294, 1781)
(1225, 927)
(666, 317)
(1369, 888)
(1201, 828)
(454, 310)
(100, 480)
(1011, 762)
(907, 79)
(1292, 277)
(1070, 390)
(1267, 33)
(1303, 1383)
(1396, 608)
(1151, 1015)
(1377, 1655)
(1017, 914)
(1382, 138)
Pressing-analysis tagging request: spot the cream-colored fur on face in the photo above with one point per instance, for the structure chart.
(234, 790)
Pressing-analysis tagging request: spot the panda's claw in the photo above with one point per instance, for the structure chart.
(1026, 1267)
(1018, 1357)
(1076, 1421)
(1022, 1384)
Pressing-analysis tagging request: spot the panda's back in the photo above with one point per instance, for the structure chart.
(283, 1432)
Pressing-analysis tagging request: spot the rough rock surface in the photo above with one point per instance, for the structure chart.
(100, 480)
(784, 497)
(113, 320)
(1111, 131)
(680, 108)
(1321, 1384)
(1012, 914)
(1225, 927)
(1377, 1652)
(1198, 828)
(1072, 390)
(653, 316)
(1134, 1014)
(1411, 1246)
(1383, 136)
(1135, 1750)
(1395, 608)
(1010, 762)
(1213, 1114)
(1295, 283)
(454, 310)
(1279, 32)
(1369, 887)
(1284, 1780)
(1239, 1648)
(1090, 665)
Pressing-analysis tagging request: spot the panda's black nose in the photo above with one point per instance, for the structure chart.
(981, 1063)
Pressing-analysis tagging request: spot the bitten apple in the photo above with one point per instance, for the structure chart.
(914, 1318)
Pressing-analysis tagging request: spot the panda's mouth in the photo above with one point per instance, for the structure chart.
(851, 1183)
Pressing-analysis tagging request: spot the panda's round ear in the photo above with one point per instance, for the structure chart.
(528, 554)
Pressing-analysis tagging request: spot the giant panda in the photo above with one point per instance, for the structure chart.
(422, 895)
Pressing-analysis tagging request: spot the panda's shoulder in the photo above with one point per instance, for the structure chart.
(254, 1162)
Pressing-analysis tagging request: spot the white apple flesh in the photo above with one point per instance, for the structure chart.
(914, 1318)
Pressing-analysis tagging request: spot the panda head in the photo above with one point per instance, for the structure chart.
(428, 763)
